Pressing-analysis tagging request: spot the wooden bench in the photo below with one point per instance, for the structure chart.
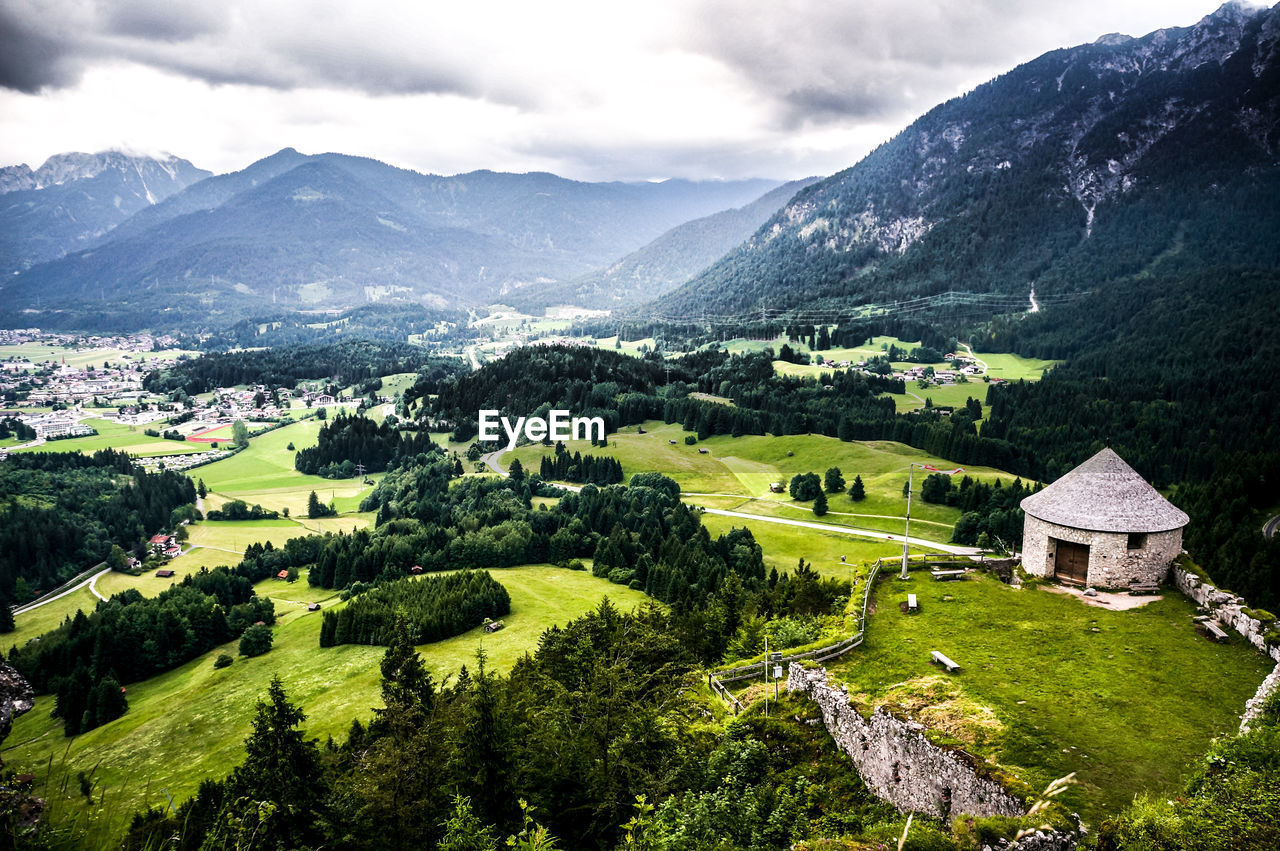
(941, 659)
(1144, 588)
(912, 604)
(947, 575)
(1215, 632)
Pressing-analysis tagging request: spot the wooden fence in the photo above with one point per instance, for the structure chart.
(717, 679)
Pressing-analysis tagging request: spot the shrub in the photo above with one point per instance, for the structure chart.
(222, 661)
(793, 632)
(576, 564)
(690, 439)
(256, 640)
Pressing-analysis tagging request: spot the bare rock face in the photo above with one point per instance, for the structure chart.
(16, 697)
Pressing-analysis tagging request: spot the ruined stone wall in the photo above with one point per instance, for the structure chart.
(1228, 610)
(898, 763)
(1111, 563)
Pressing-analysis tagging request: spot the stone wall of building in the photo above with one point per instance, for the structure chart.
(1111, 563)
(898, 763)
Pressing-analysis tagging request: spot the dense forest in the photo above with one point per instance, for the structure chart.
(348, 361)
(346, 441)
(130, 638)
(391, 322)
(592, 741)
(61, 512)
(565, 466)
(436, 607)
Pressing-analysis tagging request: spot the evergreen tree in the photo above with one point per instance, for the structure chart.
(857, 491)
(201, 490)
(820, 504)
(283, 767)
(834, 481)
(240, 434)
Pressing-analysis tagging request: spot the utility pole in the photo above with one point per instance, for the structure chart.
(766, 676)
(907, 536)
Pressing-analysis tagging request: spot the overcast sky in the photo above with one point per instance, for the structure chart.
(594, 90)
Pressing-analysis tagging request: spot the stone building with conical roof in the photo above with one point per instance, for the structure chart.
(1101, 525)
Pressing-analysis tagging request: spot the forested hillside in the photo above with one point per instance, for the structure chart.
(1070, 173)
(664, 264)
(60, 513)
(342, 363)
(334, 231)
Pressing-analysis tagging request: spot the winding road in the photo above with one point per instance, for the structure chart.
(1269, 528)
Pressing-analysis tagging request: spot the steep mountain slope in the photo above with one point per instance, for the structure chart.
(74, 198)
(1080, 167)
(336, 231)
(667, 262)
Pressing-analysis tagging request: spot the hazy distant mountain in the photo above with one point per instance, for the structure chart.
(1090, 164)
(667, 262)
(335, 231)
(74, 198)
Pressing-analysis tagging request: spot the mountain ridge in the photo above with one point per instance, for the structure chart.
(335, 230)
(1083, 165)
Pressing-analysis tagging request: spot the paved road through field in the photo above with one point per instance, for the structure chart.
(491, 460)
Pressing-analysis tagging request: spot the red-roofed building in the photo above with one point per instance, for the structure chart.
(417, 568)
(284, 574)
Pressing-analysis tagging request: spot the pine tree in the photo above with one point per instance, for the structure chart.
(202, 490)
(857, 492)
(820, 504)
(834, 481)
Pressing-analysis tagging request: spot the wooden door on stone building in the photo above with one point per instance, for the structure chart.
(1071, 564)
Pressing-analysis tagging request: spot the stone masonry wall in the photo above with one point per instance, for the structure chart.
(897, 762)
(1227, 609)
(1111, 563)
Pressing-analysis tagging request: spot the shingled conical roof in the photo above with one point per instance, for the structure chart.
(1104, 494)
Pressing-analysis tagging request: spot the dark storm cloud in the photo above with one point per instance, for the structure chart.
(31, 59)
(288, 45)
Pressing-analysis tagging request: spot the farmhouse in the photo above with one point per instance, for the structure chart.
(1101, 525)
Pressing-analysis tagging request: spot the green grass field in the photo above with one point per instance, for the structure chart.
(190, 723)
(745, 466)
(39, 352)
(784, 546)
(264, 474)
(113, 435)
(40, 620)
(1128, 699)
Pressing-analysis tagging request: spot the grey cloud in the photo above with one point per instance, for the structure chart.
(285, 46)
(165, 20)
(817, 61)
(31, 60)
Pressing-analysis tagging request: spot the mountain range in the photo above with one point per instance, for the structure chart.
(73, 199)
(664, 264)
(330, 230)
(1071, 174)
(1085, 166)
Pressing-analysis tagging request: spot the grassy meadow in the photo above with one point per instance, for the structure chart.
(744, 467)
(40, 352)
(1049, 685)
(113, 435)
(264, 474)
(191, 722)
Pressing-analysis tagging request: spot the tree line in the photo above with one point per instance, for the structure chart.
(61, 512)
(129, 638)
(436, 607)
